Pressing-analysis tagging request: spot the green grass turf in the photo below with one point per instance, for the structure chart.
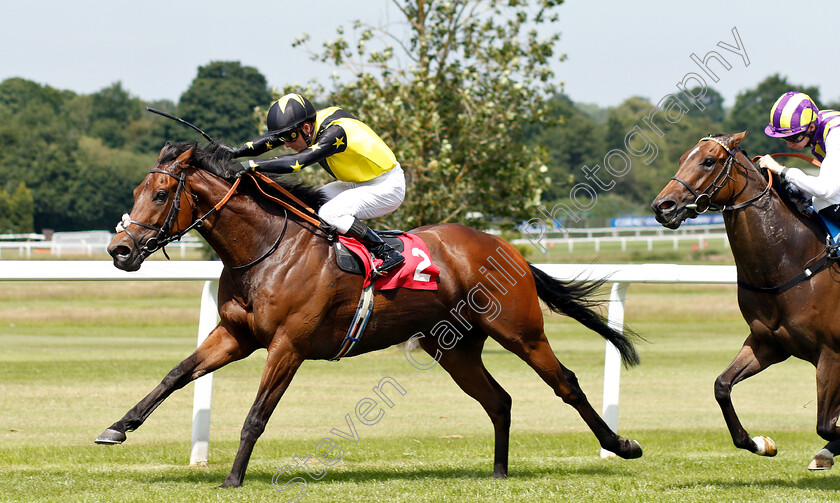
(75, 357)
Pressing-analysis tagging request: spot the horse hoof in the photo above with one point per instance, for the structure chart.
(111, 437)
(764, 446)
(824, 460)
(633, 450)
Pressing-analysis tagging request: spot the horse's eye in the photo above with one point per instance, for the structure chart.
(709, 162)
(161, 196)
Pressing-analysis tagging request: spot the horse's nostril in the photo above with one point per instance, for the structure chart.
(666, 205)
(120, 251)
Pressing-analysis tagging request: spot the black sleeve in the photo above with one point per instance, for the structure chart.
(330, 141)
(256, 147)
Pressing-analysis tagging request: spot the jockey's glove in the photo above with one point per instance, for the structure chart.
(240, 168)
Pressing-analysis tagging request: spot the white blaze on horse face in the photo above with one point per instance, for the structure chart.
(696, 149)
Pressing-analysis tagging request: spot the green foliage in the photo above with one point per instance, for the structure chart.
(220, 101)
(572, 140)
(16, 210)
(112, 110)
(456, 117)
(102, 188)
(464, 95)
(51, 142)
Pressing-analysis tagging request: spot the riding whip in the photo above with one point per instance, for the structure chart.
(182, 121)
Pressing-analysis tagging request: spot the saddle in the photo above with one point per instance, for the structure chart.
(349, 262)
(831, 228)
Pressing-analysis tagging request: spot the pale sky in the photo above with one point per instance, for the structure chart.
(616, 49)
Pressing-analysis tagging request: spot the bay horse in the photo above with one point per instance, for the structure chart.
(281, 290)
(788, 285)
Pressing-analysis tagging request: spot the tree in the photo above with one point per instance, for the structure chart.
(752, 111)
(21, 210)
(477, 75)
(572, 140)
(112, 112)
(711, 103)
(102, 187)
(37, 142)
(221, 101)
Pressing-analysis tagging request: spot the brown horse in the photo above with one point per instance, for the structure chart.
(281, 290)
(787, 285)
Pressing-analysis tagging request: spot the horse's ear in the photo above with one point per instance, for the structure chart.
(186, 156)
(163, 150)
(736, 138)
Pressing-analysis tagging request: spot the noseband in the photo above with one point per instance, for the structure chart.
(164, 237)
(703, 199)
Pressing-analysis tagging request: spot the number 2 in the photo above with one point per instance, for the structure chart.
(426, 262)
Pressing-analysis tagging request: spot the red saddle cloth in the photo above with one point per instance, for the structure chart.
(416, 273)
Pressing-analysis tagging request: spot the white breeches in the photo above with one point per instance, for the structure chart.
(371, 199)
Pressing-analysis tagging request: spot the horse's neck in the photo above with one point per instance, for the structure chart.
(769, 242)
(242, 231)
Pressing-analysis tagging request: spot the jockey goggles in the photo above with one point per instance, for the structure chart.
(289, 136)
(797, 137)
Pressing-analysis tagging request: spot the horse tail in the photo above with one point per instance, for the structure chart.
(572, 298)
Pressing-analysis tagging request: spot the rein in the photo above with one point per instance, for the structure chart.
(164, 237)
(798, 156)
(821, 264)
(705, 196)
(308, 217)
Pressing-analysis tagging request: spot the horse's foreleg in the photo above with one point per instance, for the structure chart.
(219, 349)
(280, 367)
(828, 409)
(751, 359)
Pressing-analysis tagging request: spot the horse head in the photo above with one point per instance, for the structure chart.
(714, 174)
(156, 219)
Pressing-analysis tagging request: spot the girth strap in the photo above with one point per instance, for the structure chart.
(357, 326)
(803, 276)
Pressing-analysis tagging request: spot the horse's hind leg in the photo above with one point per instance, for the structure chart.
(824, 459)
(828, 409)
(751, 359)
(537, 353)
(464, 364)
(219, 349)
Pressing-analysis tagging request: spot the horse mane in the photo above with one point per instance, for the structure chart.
(791, 195)
(212, 158)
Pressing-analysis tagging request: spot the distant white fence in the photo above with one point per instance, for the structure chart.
(87, 243)
(694, 234)
(620, 275)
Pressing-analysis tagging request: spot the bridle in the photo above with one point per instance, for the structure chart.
(703, 198)
(164, 237)
(717, 184)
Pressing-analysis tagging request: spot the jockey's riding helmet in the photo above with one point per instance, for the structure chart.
(791, 114)
(287, 114)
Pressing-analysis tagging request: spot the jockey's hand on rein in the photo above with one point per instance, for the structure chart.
(771, 164)
(237, 169)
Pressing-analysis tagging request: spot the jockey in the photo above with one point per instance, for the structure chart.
(369, 181)
(796, 119)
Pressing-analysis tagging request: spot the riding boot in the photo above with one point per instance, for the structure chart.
(390, 257)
